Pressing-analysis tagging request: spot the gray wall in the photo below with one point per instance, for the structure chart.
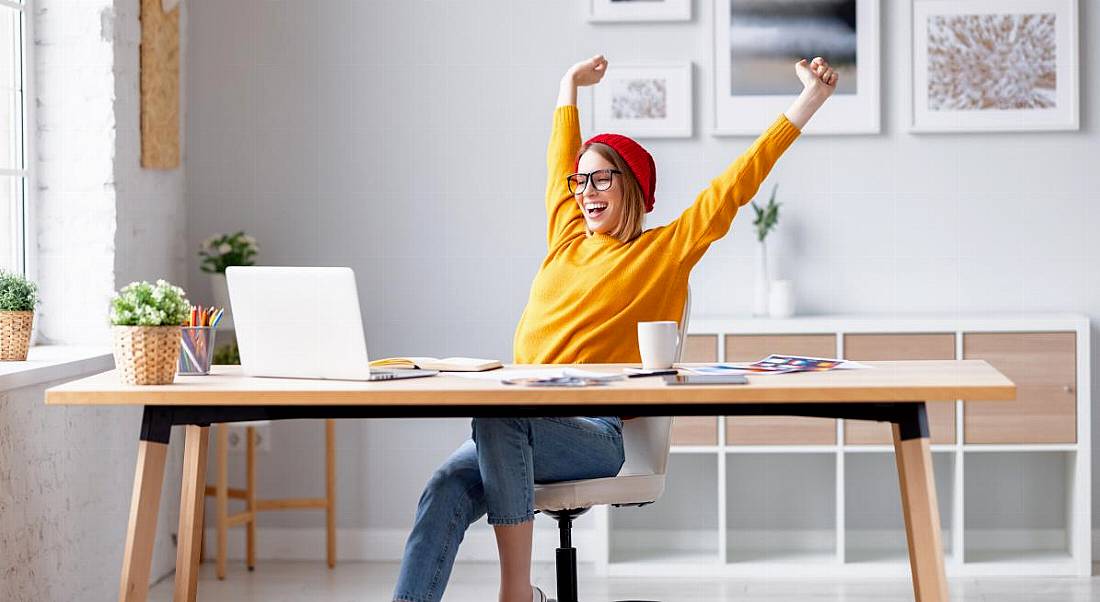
(348, 133)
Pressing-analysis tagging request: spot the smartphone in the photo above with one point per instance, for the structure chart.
(706, 379)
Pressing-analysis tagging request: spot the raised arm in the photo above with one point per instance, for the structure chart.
(562, 213)
(710, 216)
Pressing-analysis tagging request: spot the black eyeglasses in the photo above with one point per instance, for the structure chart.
(601, 179)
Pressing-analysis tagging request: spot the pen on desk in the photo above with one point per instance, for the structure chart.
(654, 373)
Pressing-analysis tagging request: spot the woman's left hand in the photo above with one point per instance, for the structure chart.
(817, 76)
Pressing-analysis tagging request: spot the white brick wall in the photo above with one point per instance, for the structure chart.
(76, 147)
(67, 474)
(101, 222)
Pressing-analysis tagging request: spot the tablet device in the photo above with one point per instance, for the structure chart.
(706, 379)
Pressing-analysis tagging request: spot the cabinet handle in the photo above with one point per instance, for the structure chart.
(1067, 388)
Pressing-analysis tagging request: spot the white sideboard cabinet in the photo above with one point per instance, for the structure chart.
(807, 497)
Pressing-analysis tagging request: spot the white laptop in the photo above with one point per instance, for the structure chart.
(302, 322)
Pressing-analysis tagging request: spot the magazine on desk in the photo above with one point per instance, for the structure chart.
(777, 364)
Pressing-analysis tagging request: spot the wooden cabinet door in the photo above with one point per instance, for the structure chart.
(697, 430)
(779, 430)
(887, 347)
(1044, 367)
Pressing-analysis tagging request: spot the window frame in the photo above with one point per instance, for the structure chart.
(24, 262)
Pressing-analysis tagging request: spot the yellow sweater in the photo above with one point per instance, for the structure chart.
(591, 291)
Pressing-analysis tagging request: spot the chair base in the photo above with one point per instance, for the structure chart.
(566, 555)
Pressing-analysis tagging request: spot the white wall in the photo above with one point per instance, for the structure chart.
(67, 475)
(101, 221)
(151, 221)
(350, 133)
(74, 202)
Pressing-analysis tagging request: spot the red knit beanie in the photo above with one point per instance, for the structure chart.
(639, 160)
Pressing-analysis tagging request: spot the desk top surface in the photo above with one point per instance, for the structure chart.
(926, 380)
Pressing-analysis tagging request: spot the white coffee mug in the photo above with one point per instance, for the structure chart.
(657, 342)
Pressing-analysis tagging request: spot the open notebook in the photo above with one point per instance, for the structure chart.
(447, 364)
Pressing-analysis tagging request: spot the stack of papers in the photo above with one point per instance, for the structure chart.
(778, 364)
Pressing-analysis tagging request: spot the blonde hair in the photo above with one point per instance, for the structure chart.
(633, 217)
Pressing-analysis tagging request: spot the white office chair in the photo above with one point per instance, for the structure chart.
(640, 481)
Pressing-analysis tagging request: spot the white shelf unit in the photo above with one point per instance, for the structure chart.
(806, 511)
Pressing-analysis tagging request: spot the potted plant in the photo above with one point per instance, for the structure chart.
(766, 219)
(18, 296)
(219, 252)
(146, 322)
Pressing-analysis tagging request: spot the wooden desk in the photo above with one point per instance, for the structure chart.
(891, 392)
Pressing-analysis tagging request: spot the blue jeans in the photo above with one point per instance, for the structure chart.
(495, 473)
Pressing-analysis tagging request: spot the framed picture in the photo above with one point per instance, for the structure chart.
(994, 65)
(639, 10)
(651, 100)
(757, 43)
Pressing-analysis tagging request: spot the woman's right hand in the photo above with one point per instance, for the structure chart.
(587, 72)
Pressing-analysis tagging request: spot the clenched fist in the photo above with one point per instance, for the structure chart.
(588, 72)
(817, 76)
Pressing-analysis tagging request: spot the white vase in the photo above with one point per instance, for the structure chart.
(760, 292)
(220, 292)
(780, 299)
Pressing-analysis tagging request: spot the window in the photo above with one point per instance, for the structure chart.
(13, 155)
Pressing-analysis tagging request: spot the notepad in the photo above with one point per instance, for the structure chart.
(447, 364)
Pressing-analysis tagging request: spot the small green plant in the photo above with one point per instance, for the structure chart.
(223, 250)
(766, 218)
(228, 354)
(144, 304)
(16, 292)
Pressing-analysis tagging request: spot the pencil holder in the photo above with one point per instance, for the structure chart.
(196, 349)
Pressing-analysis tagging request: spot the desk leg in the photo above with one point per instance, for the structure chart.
(919, 505)
(192, 500)
(144, 503)
(221, 501)
(330, 492)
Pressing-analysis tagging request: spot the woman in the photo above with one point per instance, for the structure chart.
(601, 276)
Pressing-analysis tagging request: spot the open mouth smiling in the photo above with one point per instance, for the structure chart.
(594, 208)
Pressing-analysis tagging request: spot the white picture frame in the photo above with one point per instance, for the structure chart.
(844, 113)
(930, 111)
(622, 11)
(611, 108)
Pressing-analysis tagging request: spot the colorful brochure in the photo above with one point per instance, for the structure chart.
(778, 364)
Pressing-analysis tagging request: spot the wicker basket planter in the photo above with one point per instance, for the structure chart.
(147, 355)
(15, 334)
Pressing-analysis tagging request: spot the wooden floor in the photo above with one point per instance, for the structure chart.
(276, 581)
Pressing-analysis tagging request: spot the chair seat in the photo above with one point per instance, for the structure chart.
(622, 489)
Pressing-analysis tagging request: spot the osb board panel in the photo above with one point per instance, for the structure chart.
(160, 86)
(901, 346)
(697, 430)
(1044, 367)
(779, 430)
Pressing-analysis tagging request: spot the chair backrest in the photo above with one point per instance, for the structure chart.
(684, 326)
(647, 440)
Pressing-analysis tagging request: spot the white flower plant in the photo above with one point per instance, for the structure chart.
(144, 304)
(223, 250)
